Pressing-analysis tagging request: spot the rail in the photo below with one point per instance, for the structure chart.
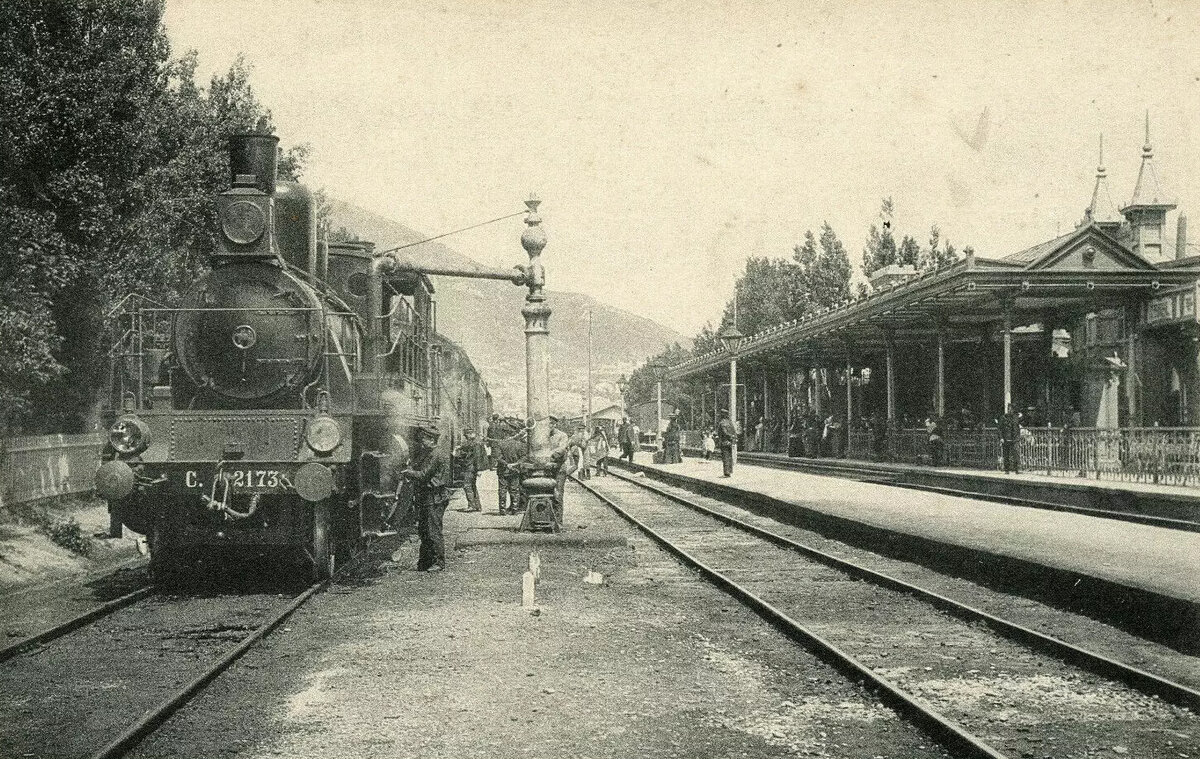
(47, 466)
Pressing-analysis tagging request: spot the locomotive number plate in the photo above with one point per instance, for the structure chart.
(253, 480)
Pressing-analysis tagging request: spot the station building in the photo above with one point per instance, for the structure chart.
(1096, 329)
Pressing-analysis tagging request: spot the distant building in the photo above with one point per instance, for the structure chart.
(607, 418)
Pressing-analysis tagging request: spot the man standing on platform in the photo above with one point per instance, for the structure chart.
(1010, 440)
(671, 440)
(430, 474)
(627, 439)
(471, 457)
(726, 437)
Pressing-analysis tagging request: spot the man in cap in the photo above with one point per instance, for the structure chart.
(509, 451)
(471, 457)
(430, 474)
(566, 456)
(671, 440)
(627, 438)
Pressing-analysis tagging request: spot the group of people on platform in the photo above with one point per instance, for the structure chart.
(586, 452)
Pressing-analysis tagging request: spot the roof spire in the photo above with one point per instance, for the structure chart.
(1147, 191)
(1102, 209)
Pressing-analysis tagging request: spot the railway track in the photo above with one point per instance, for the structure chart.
(981, 685)
(116, 672)
(846, 469)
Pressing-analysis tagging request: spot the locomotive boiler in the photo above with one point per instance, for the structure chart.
(272, 408)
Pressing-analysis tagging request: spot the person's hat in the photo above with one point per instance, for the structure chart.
(471, 433)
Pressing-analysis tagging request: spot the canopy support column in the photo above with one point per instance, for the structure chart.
(1007, 357)
(891, 377)
(941, 370)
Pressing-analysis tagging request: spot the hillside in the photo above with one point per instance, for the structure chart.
(484, 317)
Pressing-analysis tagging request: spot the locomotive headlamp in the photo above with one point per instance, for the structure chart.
(129, 435)
(243, 222)
(323, 434)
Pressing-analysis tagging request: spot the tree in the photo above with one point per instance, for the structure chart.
(880, 250)
(706, 341)
(642, 385)
(110, 155)
(768, 293)
(826, 276)
(909, 253)
(935, 257)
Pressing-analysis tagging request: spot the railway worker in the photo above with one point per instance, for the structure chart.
(566, 456)
(471, 457)
(598, 450)
(509, 452)
(727, 433)
(671, 439)
(430, 474)
(627, 439)
(1010, 440)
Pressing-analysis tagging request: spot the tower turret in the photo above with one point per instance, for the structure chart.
(1147, 211)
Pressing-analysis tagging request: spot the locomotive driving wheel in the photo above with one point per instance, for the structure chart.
(320, 545)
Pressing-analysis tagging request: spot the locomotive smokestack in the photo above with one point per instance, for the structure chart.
(254, 153)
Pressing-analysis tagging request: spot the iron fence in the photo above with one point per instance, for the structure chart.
(46, 466)
(1154, 455)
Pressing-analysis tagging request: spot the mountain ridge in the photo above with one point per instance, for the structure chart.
(621, 340)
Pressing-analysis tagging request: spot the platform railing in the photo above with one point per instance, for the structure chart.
(1154, 455)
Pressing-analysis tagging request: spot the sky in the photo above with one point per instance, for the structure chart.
(670, 141)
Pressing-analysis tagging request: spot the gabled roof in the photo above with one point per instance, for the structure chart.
(1068, 252)
(1037, 252)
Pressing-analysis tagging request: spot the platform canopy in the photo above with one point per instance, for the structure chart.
(1084, 270)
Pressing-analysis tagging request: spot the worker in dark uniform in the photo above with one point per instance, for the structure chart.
(672, 439)
(509, 453)
(1010, 440)
(430, 474)
(471, 457)
(627, 439)
(726, 438)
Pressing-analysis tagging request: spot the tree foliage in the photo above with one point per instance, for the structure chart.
(110, 155)
(824, 272)
(880, 250)
(641, 386)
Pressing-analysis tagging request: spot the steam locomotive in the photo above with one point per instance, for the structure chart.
(273, 408)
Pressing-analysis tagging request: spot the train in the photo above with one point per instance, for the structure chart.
(272, 408)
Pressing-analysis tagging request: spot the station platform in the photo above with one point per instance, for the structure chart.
(1086, 561)
(1165, 505)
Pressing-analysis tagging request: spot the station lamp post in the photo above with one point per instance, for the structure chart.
(659, 369)
(623, 383)
(731, 338)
